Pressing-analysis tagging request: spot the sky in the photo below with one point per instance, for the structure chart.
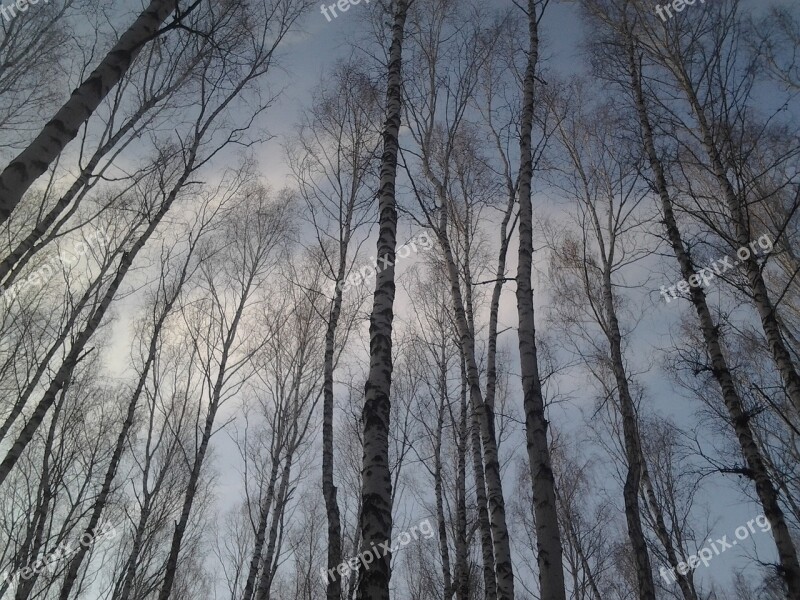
(309, 55)
(312, 53)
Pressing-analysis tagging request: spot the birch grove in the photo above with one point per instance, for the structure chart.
(400, 300)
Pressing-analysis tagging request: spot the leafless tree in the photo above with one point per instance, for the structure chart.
(333, 160)
(376, 509)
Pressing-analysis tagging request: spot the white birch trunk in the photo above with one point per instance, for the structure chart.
(376, 493)
(548, 538)
(32, 162)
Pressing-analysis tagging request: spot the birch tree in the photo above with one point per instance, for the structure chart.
(620, 18)
(64, 126)
(548, 539)
(441, 133)
(604, 182)
(333, 160)
(376, 510)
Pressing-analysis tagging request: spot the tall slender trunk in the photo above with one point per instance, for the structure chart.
(441, 521)
(33, 242)
(487, 546)
(269, 566)
(122, 439)
(548, 537)
(633, 445)
(684, 581)
(376, 492)
(739, 417)
(504, 571)
(483, 408)
(766, 310)
(20, 174)
(329, 492)
(261, 533)
(462, 582)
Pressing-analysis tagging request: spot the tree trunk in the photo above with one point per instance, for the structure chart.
(548, 537)
(687, 589)
(20, 174)
(487, 547)
(766, 311)
(269, 566)
(33, 242)
(504, 570)
(441, 521)
(376, 491)
(739, 417)
(261, 534)
(334, 588)
(462, 582)
(633, 446)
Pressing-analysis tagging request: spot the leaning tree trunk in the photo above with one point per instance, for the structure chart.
(485, 529)
(26, 248)
(739, 417)
(462, 582)
(441, 522)
(20, 174)
(684, 581)
(494, 312)
(548, 536)
(269, 564)
(766, 310)
(376, 491)
(76, 561)
(261, 533)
